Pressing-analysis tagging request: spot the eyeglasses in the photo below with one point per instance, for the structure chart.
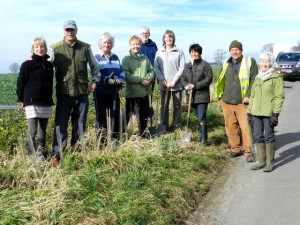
(145, 33)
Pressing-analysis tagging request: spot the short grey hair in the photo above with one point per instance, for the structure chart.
(145, 28)
(267, 56)
(106, 36)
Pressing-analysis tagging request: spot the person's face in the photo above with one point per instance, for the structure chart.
(135, 46)
(145, 35)
(264, 65)
(39, 49)
(235, 53)
(70, 35)
(106, 46)
(169, 40)
(194, 55)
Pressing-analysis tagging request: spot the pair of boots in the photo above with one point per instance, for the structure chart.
(203, 133)
(265, 156)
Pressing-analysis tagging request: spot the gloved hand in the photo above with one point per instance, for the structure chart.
(250, 119)
(274, 120)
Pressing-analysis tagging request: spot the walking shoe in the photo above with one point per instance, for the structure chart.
(54, 160)
(249, 158)
(235, 154)
(40, 156)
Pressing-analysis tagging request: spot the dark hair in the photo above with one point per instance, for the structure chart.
(170, 33)
(196, 48)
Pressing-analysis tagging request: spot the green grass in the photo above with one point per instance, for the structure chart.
(158, 181)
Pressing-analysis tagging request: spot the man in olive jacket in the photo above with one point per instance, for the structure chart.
(233, 90)
(70, 58)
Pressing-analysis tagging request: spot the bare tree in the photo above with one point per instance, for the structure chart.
(14, 67)
(297, 47)
(220, 56)
(268, 48)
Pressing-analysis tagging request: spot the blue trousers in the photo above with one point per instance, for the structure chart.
(68, 107)
(200, 111)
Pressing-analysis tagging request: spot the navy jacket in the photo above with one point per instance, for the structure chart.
(149, 49)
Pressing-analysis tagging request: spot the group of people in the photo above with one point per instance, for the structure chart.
(139, 72)
(69, 58)
(251, 100)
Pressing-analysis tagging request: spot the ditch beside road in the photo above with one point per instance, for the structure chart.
(241, 196)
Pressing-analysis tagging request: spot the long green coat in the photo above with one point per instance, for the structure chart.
(266, 96)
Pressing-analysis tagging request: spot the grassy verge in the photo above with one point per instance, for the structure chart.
(156, 181)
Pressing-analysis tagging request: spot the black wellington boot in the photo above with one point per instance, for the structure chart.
(203, 133)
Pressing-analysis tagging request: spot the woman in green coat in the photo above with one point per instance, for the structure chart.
(139, 76)
(266, 101)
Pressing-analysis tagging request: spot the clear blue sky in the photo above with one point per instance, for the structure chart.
(211, 23)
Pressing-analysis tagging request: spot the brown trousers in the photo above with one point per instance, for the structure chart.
(236, 123)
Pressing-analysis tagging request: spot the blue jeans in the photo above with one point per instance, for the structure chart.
(200, 111)
(262, 131)
(68, 107)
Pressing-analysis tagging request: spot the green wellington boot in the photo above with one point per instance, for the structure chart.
(261, 156)
(270, 152)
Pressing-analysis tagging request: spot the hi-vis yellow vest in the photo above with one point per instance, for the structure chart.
(244, 76)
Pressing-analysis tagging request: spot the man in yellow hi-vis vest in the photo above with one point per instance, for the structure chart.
(233, 89)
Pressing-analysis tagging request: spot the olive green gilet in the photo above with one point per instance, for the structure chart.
(71, 68)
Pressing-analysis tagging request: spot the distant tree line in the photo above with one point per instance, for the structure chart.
(297, 47)
(14, 67)
(219, 55)
(270, 47)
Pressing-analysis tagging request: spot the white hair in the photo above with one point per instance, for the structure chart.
(106, 36)
(145, 28)
(267, 56)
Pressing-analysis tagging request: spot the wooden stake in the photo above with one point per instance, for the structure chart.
(25, 166)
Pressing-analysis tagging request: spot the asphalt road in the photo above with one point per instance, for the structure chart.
(245, 197)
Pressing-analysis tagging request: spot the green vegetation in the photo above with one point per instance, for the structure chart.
(12, 122)
(8, 89)
(156, 181)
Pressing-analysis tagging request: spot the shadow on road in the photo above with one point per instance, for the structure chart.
(290, 154)
(287, 138)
